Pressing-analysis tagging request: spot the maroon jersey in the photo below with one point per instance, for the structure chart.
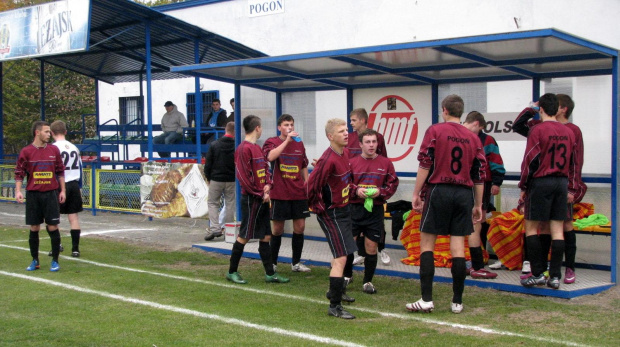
(328, 184)
(576, 186)
(549, 152)
(377, 172)
(252, 169)
(288, 181)
(525, 121)
(462, 158)
(40, 166)
(354, 145)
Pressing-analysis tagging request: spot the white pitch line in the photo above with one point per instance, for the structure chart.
(290, 333)
(97, 232)
(413, 317)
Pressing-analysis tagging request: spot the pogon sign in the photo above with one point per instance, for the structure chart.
(264, 7)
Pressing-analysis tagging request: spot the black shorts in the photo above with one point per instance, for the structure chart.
(448, 210)
(73, 202)
(254, 218)
(336, 224)
(546, 199)
(368, 223)
(42, 207)
(486, 196)
(289, 209)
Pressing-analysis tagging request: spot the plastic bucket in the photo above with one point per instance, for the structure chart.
(231, 231)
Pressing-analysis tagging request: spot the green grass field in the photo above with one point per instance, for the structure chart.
(122, 294)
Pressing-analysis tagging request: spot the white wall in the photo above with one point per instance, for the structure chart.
(318, 25)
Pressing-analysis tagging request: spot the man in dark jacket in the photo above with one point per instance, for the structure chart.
(220, 174)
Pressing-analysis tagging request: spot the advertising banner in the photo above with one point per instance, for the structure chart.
(47, 29)
(401, 115)
(173, 190)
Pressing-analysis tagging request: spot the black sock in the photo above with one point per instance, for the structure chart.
(370, 264)
(535, 255)
(265, 255)
(55, 240)
(75, 240)
(570, 248)
(297, 243)
(458, 279)
(33, 241)
(335, 288)
(348, 267)
(275, 243)
(477, 261)
(361, 248)
(557, 254)
(381, 246)
(235, 256)
(526, 255)
(545, 245)
(427, 273)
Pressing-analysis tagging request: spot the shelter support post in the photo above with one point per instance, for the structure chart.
(615, 139)
(149, 96)
(435, 101)
(238, 139)
(349, 108)
(198, 102)
(278, 109)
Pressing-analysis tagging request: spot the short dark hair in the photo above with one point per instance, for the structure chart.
(367, 132)
(216, 100)
(549, 103)
(454, 104)
(360, 113)
(230, 127)
(38, 125)
(232, 100)
(250, 123)
(285, 118)
(475, 116)
(566, 101)
(58, 128)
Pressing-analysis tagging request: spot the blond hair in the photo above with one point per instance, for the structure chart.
(331, 125)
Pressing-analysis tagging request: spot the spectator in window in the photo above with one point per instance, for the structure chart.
(172, 124)
(217, 117)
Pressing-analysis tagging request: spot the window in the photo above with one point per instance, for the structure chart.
(207, 98)
(130, 109)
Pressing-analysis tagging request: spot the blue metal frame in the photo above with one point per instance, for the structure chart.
(149, 94)
(446, 46)
(1, 109)
(615, 207)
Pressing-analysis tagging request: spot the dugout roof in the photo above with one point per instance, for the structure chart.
(118, 42)
(534, 54)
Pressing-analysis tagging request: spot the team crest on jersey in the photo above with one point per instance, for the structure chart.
(398, 127)
(43, 174)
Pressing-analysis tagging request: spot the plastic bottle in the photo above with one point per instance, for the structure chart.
(297, 138)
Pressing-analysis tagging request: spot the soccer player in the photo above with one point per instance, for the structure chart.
(548, 167)
(73, 182)
(42, 166)
(576, 187)
(328, 190)
(255, 180)
(288, 196)
(494, 177)
(452, 161)
(370, 170)
(359, 122)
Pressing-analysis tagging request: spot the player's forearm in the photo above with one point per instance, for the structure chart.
(478, 192)
(420, 180)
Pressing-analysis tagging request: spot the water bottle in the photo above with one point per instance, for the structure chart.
(193, 124)
(297, 138)
(534, 107)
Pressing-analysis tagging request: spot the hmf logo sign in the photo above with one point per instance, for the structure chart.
(398, 127)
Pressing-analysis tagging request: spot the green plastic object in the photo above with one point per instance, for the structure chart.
(592, 220)
(368, 202)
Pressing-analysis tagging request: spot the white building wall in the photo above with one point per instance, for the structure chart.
(318, 25)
